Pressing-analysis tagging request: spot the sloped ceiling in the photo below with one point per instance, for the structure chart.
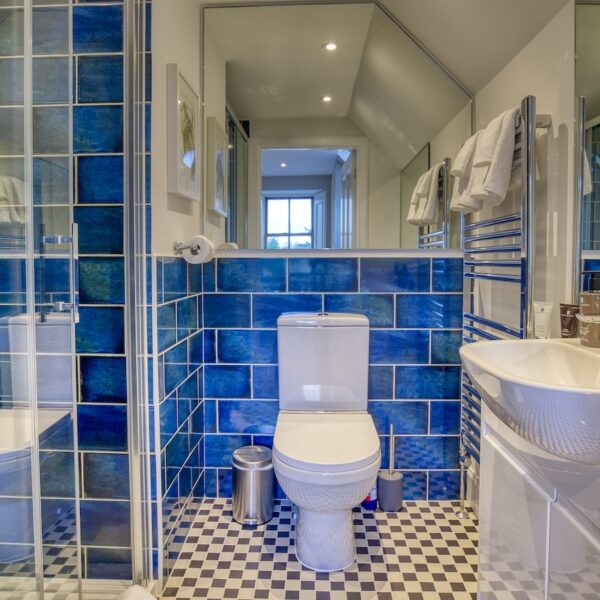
(588, 58)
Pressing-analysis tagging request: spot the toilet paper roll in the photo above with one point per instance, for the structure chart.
(202, 251)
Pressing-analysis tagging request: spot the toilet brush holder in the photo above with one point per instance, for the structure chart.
(390, 483)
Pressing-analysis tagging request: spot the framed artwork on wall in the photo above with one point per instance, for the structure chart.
(217, 168)
(182, 137)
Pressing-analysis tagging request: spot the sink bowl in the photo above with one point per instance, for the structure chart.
(547, 391)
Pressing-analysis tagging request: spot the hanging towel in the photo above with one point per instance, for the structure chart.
(414, 203)
(588, 186)
(487, 142)
(493, 189)
(428, 207)
(12, 201)
(461, 200)
(461, 165)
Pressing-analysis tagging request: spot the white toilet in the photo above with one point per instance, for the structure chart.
(326, 451)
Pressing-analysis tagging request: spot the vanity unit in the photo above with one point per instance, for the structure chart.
(540, 468)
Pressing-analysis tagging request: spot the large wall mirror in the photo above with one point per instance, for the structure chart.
(587, 88)
(332, 112)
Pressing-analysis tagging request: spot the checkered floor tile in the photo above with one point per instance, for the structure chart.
(422, 553)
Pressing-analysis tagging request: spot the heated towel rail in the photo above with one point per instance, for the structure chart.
(501, 250)
(438, 234)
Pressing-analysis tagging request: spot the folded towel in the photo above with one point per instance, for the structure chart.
(487, 142)
(422, 187)
(137, 592)
(588, 186)
(428, 207)
(12, 201)
(493, 189)
(414, 203)
(461, 165)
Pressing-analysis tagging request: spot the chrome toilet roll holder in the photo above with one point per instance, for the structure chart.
(179, 247)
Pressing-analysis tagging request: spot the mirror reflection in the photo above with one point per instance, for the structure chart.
(332, 113)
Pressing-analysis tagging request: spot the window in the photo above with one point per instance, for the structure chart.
(288, 223)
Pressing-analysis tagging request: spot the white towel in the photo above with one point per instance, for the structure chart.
(588, 186)
(414, 203)
(12, 201)
(137, 592)
(428, 207)
(487, 142)
(461, 165)
(493, 189)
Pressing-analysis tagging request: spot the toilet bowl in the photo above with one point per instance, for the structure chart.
(326, 463)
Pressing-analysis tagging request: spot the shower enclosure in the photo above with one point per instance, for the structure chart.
(75, 518)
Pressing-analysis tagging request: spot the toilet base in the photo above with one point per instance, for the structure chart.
(325, 540)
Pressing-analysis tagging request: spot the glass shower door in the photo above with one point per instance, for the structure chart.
(39, 545)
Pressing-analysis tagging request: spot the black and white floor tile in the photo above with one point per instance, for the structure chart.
(422, 553)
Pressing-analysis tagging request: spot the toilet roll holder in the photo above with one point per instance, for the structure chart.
(179, 247)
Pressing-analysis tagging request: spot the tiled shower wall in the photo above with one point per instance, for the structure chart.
(414, 307)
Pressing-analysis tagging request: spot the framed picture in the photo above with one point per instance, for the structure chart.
(182, 137)
(217, 168)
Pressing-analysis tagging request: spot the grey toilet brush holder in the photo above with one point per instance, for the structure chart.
(390, 483)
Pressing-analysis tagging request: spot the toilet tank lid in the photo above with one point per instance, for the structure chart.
(324, 319)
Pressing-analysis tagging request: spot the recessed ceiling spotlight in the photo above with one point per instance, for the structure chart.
(326, 99)
(283, 165)
(331, 46)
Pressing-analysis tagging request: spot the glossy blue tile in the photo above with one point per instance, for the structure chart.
(174, 278)
(210, 483)
(323, 274)
(187, 317)
(100, 330)
(194, 279)
(51, 180)
(177, 450)
(100, 79)
(108, 563)
(197, 420)
(105, 523)
(426, 452)
(168, 419)
(50, 80)
(251, 275)
(101, 281)
(166, 333)
(248, 416)
(447, 274)
(394, 274)
(102, 379)
(444, 347)
(50, 30)
(53, 511)
(59, 436)
(226, 381)
(211, 424)
(398, 346)
(415, 485)
(445, 417)
(57, 475)
(176, 367)
(210, 340)
(50, 130)
(102, 427)
(247, 346)
(209, 277)
(219, 448)
(407, 417)
(105, 475)
(16, 531)
(267, 307)
(97, 29)
(97, 129)
(196, 350)
(381, 383)
(428, 382)
(55, 273)
(11, 73)
(429, 310)
(226, 310)
(12, 276)
(379, 308)
(100, 179)
(265, 382)
(225, 483)
(107, 219)
(444, 485)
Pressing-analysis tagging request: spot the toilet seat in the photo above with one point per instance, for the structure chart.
(326, 443)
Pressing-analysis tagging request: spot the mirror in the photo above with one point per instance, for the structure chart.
(587, 88)
(328, 109)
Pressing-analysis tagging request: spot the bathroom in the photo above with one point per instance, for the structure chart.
(175, 177)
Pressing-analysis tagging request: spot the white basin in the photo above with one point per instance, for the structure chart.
(547, 391)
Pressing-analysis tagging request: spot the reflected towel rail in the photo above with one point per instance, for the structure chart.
(494, 325)
(442, 232)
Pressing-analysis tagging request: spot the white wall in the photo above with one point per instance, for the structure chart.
(545, 69)
(175, 40)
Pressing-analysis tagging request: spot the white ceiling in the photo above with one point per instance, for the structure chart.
(588, 58)
(299, 161)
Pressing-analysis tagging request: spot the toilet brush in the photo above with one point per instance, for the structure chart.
(390, 483)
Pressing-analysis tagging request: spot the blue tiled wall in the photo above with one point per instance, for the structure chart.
(414, 307)
(589, 265)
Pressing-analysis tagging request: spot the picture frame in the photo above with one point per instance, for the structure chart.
(217, 167)
(183, 140)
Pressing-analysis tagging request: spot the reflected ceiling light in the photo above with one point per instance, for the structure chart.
(283, 165)
(326, 99)
(331, 46)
